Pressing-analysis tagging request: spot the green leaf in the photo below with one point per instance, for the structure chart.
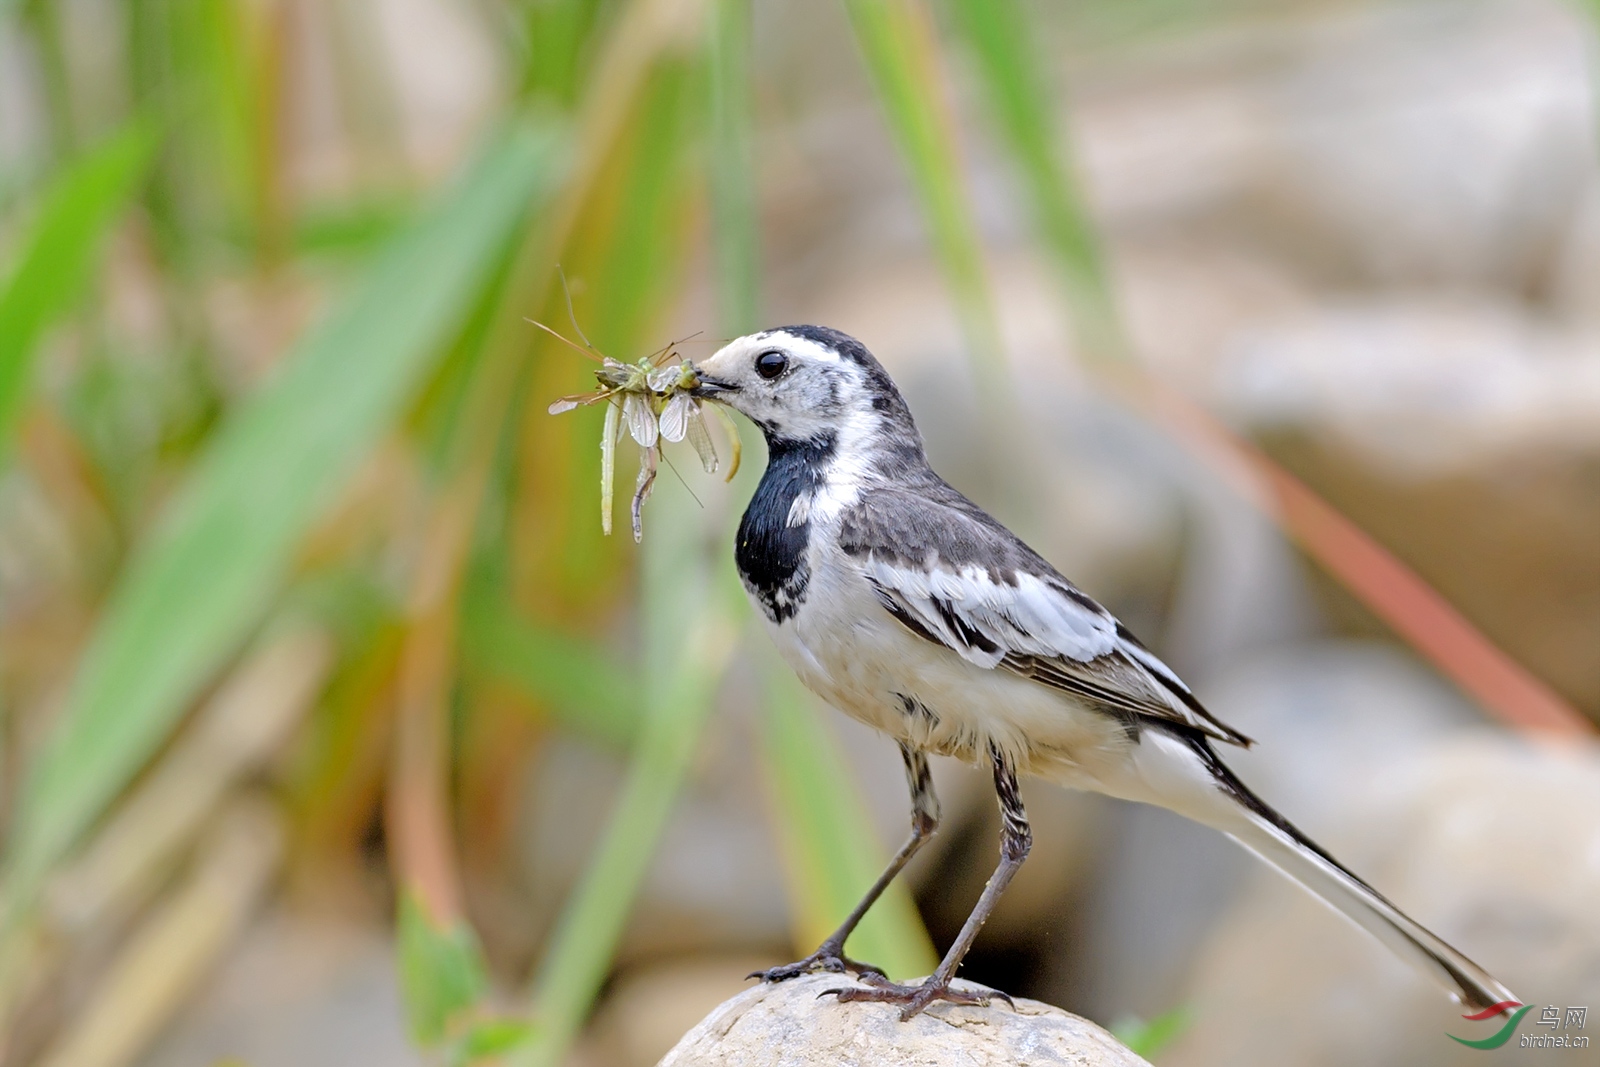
(441, 971)
(204, 576)
(639, 257)
(689, 640)
(734, 225)
(78, 210)
(631, 248)
(560, 36)
(1024, 109)
(349, 230)
(491, 1038)
(1149, 1038)
(901, 52)
(827, 835)
(820, 815)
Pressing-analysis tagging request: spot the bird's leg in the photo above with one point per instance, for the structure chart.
(924, 821)
(1015, 841)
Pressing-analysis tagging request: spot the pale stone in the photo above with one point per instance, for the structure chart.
(788, 1024)
(1490, 841)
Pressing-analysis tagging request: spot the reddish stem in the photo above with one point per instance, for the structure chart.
(1386, 586)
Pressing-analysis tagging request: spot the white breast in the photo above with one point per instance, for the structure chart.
(849, 650)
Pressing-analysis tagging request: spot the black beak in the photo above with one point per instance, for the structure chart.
(709, 388)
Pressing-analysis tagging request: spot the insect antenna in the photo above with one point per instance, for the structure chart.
(675, 344)
(586, 353)
(697, 339)
(566, 291)
(661, 355)
(673, 467)
(588, 398)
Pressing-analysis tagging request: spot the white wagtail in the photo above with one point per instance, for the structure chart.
(906, 606)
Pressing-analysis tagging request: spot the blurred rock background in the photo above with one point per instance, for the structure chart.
(1366, 235)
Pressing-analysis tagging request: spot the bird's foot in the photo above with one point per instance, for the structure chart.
(915, 998)
(830, 958)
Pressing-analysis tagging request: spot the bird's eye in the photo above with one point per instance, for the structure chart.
(771, 364)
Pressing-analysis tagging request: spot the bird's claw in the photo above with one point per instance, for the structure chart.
(914, 998)
(826, 959)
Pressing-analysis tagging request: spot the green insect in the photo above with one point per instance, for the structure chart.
(651, 396)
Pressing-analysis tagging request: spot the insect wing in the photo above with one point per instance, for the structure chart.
(663, 378)
(641, 420)
(700, 438)
(676, 416)
(734, 446)
(566, 403)
(613, 373)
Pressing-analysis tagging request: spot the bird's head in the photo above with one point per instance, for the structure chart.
(807, 383)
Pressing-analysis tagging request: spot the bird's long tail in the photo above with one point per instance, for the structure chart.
(1254, 824)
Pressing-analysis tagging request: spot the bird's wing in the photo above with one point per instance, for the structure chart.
(952, 575)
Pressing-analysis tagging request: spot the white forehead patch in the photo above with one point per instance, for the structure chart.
(800, 346)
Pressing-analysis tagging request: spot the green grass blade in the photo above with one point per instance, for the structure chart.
(1148, 1039)
(628, 247)
(901, 52)
(203, 578)
(57, 254)
(441, 971)
(833, 854)
(819, 815)
(489, 1040)
(1024, 110)
(559, 36)
(735, 227)
(689, 640)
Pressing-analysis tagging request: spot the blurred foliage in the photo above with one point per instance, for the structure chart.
(898, 43)
(441, 970)
(367, 455)
(1013, 77)
(207, 573)
(831, 854)
(53, 260)
(382, 476)
(1148, 1038)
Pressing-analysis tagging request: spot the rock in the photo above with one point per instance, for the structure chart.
(300, 990)
(1487, 840)
(650, 1007)
(1424, 144)
(789, 1025)
(1463, 434)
